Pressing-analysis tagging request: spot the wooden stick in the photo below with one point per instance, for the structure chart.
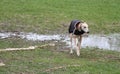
(2, 64)
(28, 48)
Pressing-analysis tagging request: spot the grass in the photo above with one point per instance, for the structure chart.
(48, 61)
(17, 43)
(53, 15)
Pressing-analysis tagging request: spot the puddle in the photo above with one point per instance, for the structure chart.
(110, 42)
(30, 36)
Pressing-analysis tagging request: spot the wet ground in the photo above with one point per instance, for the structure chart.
(109, 42)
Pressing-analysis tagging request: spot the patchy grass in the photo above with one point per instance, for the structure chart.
(53, 16)
(50, 61)
(17, 43)
(43, 16)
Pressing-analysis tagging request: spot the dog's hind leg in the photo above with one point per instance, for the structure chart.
(77, 47)
(71, 49)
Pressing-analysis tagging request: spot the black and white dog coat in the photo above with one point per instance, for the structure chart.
(72, 28)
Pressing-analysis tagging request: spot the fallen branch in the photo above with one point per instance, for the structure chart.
(28, 48)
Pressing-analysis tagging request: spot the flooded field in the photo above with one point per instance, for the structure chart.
(110, 42)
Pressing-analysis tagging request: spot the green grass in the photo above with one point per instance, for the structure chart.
(43, 16)
(38, 61)
(53, 16)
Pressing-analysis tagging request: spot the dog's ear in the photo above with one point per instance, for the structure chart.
(76, 26)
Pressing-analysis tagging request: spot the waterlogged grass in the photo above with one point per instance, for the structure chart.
(16, 43)
(50, 61)
(43, 16)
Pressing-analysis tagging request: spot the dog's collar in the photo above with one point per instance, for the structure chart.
(77, 32)
(82, 32)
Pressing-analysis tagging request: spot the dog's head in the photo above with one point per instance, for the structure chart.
(83, 27)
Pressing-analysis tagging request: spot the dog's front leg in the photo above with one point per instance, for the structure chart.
(76, 45)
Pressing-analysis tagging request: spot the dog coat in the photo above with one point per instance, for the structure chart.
(72, 28)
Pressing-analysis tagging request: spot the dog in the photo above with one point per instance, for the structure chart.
(76, 29)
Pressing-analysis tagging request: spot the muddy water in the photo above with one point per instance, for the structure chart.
(30, 36)
(110, 42)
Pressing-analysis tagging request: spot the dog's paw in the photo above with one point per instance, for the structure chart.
(78, 54)
(71, 52)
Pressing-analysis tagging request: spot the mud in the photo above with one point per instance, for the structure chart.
(109, 42)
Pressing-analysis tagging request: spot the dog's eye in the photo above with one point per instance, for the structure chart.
(84, 27)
